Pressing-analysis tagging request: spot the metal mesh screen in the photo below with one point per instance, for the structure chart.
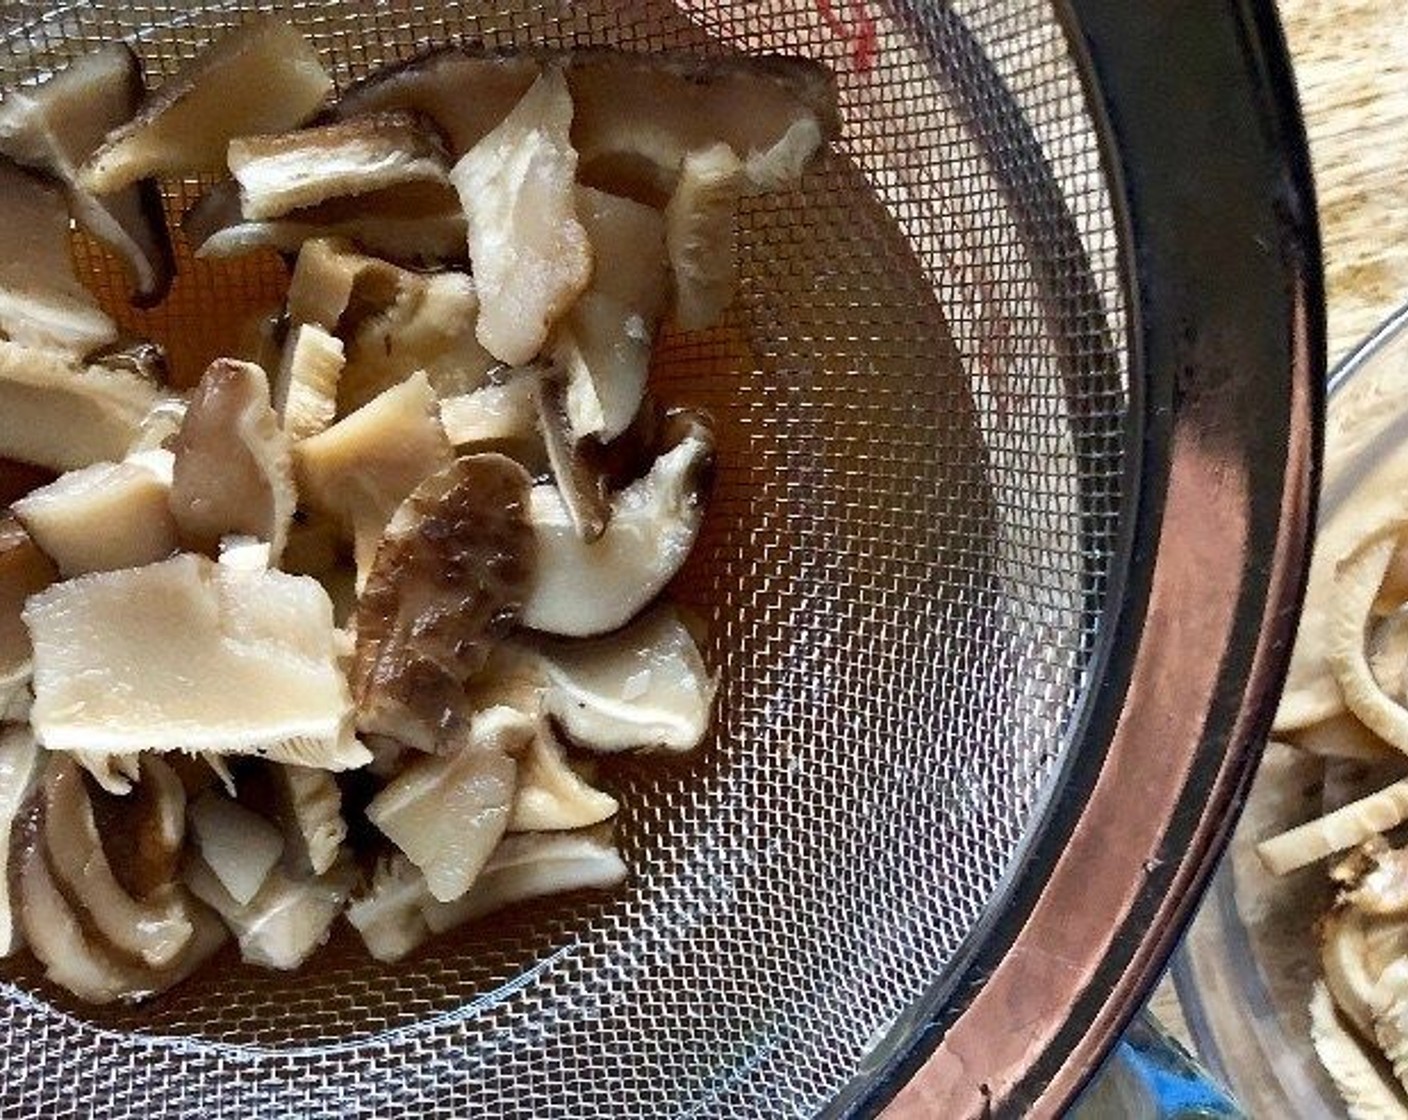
(920, 396)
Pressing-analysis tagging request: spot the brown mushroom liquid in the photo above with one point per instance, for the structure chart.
(841, 415)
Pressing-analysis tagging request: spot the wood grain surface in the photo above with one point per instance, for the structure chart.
(1351, 63)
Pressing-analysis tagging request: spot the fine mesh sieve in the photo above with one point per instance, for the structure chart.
(934, 462)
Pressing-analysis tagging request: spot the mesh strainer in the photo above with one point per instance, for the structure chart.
(1015, 411)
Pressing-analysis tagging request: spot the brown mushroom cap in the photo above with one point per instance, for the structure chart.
(450, 571)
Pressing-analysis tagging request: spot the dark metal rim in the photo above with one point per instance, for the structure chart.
(1207, 158)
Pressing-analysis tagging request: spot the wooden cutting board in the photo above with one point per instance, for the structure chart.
(1351, 62)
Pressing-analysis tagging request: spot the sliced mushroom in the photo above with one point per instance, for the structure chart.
(398, 913)
(279, 173)
(501, 416)
(643, 688)
(153, 930)
(581, 488)
(61, 416)
(167, 657)
(430, 326)
(651, 529)
(232, 474)
(324, 277)
(699, 224)
(1369, 1092)
(1345, 828)
(638, 115)
(56, 125)
(305, 393)
(530, 255)
(143, 826)
(20, 764)
(311, 809)
(447, 813)
(466, 94)
(388, 915)
(533, 865)
(418, 223)
(42, 302)
(286, 921)
(263, 77)
(551, 796)
(100, 518)
(155, 433)
(240, 847)
(360, 469)
(24, 571)
(84, 967)
(452, 566)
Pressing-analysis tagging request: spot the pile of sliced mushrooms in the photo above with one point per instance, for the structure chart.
(399, 565)
(1345, 703)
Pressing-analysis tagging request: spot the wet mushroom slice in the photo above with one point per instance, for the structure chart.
(239, 846)
(233, 473)
(638, 115)
(290, 917)
(447, 812)
(449, 572)
(42, 302)
(418, 223)
(466, 94)
(429, 325)
(533, 865)
(551, 796)
(24, 571)
(579, 484)
(642, 688)
(55, 126)
(309, 806)
(604, 343)
(388, 914)
(166, 657)
(305, 392)
(153, 930)
(530, 255)
(62, 416)
(20, 764)
(82, 965)
(1390, 1013)
(100, 518)
(501, 416)
(278, 173)
(263, 77)
(700, 237)
(651, 529)
(1376, 881)
(359, 470)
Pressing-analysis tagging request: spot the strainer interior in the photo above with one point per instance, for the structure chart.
(922, 397)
